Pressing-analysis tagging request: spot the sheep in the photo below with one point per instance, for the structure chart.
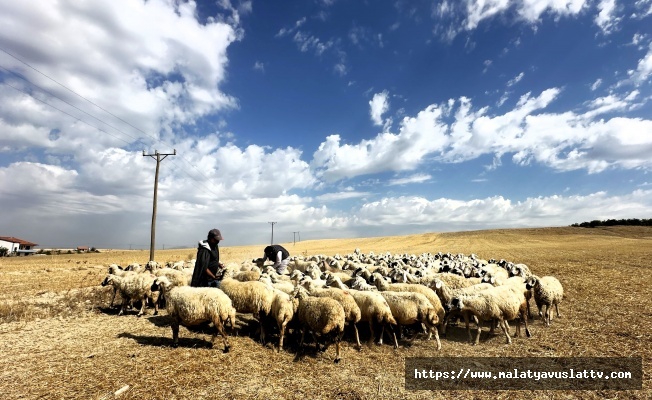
(359, 283)
(373, 306)
(302, 265)
(503, 303)
(115, 269)
(282, 310)
(383, 285)
(176, 277)
(251, 275)
(548, 291)
(521, 270)
(352, 313)
(323, 316)
(134, 287)
(446, 294)
(286, 287)
(190, 306)
(251, 297)
(409, 308)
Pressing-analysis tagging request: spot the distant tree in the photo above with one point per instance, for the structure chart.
(3, 251)
(614, 222)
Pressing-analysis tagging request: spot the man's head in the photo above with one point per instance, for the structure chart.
(214, 235)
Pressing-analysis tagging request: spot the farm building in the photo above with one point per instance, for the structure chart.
(83, 249)
(17, 246)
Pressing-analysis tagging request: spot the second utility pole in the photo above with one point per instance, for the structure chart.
(272, 231)
(158, 157)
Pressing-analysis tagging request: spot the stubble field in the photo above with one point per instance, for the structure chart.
(60, 340)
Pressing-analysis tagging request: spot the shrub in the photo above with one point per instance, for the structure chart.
(3, 251)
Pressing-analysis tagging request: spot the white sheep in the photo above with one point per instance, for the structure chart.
(430, 294)
(251, 297)
(283, 286)
(502, 303)
(446, 294)
(189, 306)
(283, 309)
(548, 291)
(409, 308)
(352, 313)
(134, 287)
(373, 306)
(323, 317)
(115, 269)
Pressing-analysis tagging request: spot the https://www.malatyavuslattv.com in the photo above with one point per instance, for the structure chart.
(523, 373)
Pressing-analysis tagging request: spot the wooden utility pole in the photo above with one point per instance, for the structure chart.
(272, 231)
(158, 157)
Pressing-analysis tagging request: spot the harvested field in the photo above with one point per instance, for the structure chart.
(59, 339)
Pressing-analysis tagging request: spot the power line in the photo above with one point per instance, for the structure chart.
(156, 139)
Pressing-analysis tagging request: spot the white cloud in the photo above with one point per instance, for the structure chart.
(449, 214)
(468, 14)
(596, 84)
(561, 141)
(259, 66)
(643, 70)
(379, 105)
(329, 197)
(417, 178)
(515, 80)
(606, 19)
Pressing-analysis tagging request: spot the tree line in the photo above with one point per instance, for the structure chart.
(614, 222)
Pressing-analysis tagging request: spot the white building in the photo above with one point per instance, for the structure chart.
(17, 246)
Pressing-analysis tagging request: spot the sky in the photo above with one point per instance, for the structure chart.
(330, 118)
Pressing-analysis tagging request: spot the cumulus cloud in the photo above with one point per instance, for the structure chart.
(456, 131)
(606, 18)
(450, 214)
(379, 105)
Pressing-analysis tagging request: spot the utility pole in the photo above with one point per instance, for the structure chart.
(272, 231)
(295, 237)
(158, 157)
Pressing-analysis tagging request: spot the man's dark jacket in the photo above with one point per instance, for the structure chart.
(207, 258)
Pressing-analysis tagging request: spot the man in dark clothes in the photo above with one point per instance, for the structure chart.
(207, 263)
(279, 255)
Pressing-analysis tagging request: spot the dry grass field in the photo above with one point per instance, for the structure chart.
(60, 340)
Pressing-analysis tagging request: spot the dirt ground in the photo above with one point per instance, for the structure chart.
(60, 340)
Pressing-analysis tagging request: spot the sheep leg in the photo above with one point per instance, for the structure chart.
(143, 305)
(477, 336)
(282, 335)
(505, 326)
(468, 328)
(175, 333)
(357, 336)
(262, 327)
(557, 309)
(371, 329)
(391, 329)
(219, 329)
(337, 349)
(115, 291)
(434, 330)
(303, 336)
(547, 314)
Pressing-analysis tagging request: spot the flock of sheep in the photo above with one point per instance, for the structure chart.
(323, 294)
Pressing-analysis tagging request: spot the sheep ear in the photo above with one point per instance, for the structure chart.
(438, 284)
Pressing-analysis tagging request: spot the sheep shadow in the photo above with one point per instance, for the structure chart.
(162, 341)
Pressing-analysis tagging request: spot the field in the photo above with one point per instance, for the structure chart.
(60, 340)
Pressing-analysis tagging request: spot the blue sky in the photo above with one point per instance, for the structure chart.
(332, 118)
